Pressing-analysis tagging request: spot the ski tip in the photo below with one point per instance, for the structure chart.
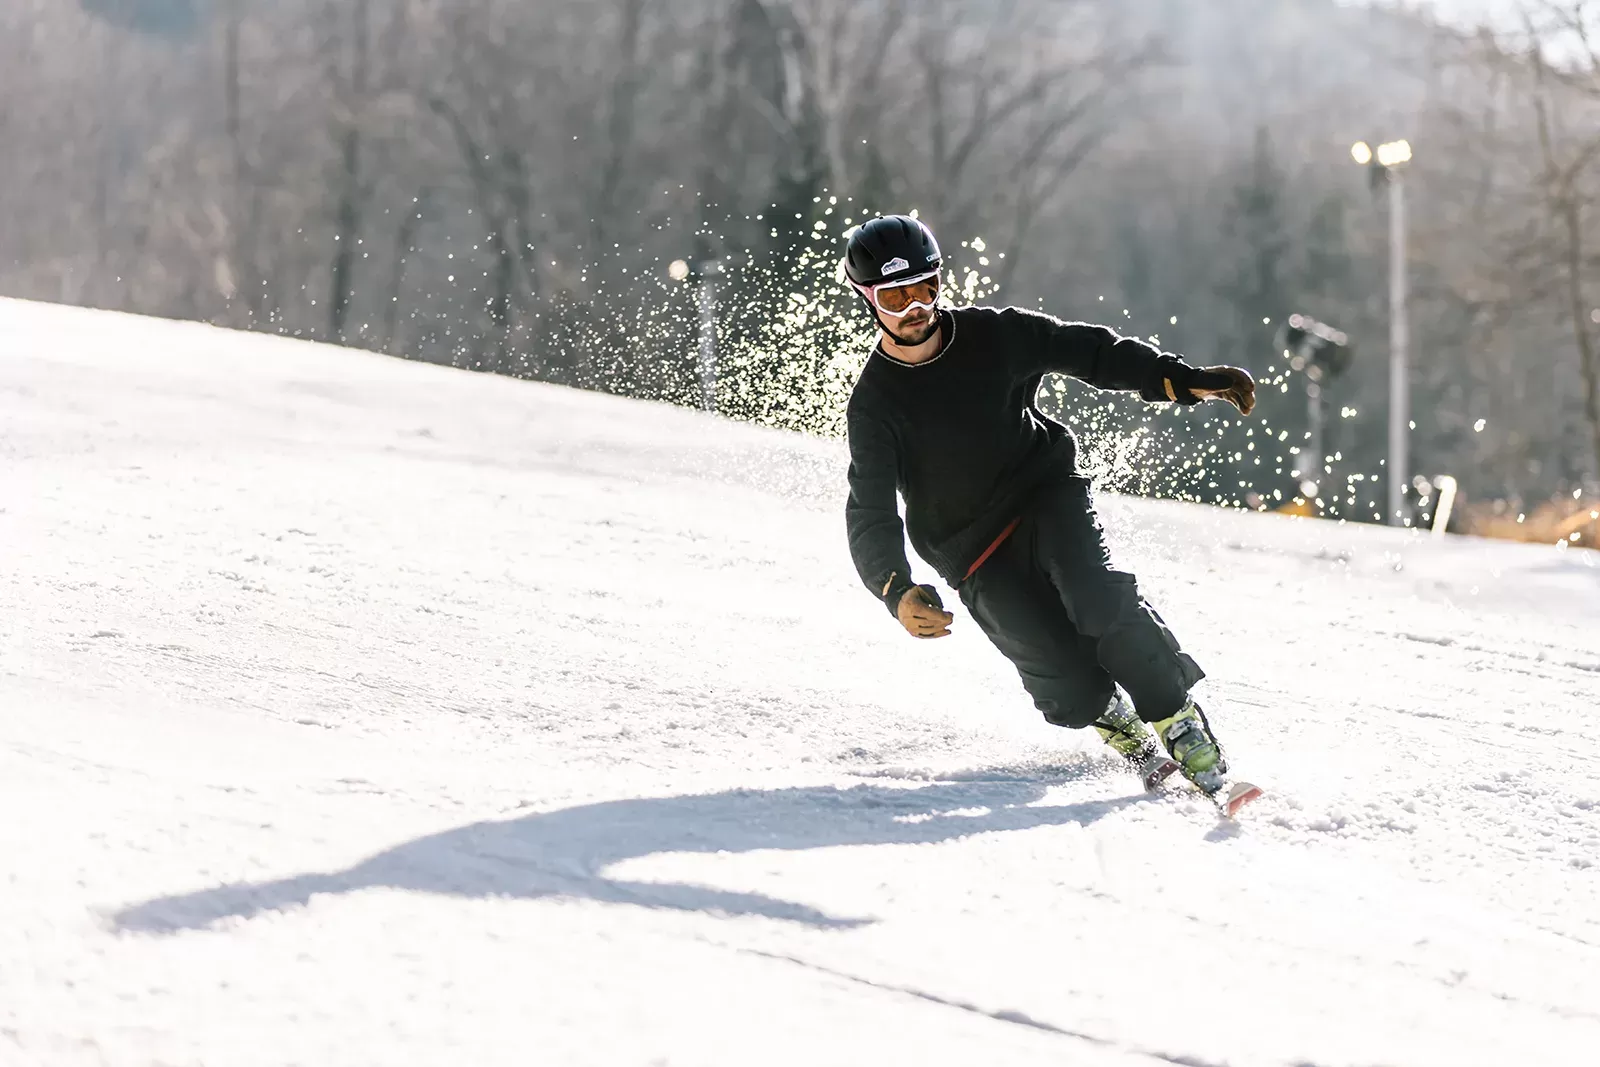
(1239, 794)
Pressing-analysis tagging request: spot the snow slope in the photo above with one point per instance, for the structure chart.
(356, 711)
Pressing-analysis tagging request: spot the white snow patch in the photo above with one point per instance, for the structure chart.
(356, 711)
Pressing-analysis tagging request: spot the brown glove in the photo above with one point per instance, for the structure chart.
(1230, 383)
(922, 613)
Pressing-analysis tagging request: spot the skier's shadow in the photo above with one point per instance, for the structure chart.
(566, 852)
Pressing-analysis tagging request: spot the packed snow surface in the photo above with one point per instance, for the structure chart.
(357, 711)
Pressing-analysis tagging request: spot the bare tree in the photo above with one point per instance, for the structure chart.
(1568, 168)
(502, 184)
(1528, 193)
(621, 116)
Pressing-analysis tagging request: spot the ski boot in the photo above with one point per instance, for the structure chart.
(1188, 737)
(1122, 729)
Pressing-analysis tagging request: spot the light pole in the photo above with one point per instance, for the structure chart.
(706, 271)
(1386, 162)
(1321, 353)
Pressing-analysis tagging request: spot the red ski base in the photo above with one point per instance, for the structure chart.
(1238, 795)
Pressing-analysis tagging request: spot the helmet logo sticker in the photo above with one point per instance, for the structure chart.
(895, 264)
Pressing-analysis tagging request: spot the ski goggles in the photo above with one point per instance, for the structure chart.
(899, 299)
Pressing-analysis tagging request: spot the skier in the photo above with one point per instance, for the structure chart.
(944, 412)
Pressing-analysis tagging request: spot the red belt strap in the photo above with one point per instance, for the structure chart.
(998, 541)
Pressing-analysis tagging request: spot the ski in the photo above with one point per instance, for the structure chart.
(1229, 801)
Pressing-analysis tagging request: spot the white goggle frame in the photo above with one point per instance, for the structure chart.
(871, 292)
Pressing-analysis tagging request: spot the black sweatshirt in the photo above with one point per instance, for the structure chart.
(961, 439)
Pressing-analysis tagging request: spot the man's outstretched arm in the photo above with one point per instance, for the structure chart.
(1107, 360)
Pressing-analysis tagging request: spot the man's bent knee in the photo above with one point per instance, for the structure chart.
(1072, 708)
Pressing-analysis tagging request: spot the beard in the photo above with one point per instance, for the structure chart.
(911, 337)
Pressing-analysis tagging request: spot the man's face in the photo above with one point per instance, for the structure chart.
(906, 309)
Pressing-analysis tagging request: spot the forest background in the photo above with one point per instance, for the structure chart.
(568, 189)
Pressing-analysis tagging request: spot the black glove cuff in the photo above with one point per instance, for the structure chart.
(897, 589)
(1185, 379)
(1170, 368)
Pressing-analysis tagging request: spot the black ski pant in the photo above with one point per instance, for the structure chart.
(1072, 624)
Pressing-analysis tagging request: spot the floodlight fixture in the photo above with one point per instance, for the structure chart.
(1394, 153)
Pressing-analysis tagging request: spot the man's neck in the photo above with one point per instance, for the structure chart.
(919, 353)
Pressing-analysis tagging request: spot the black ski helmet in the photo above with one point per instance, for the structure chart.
(889, 248)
